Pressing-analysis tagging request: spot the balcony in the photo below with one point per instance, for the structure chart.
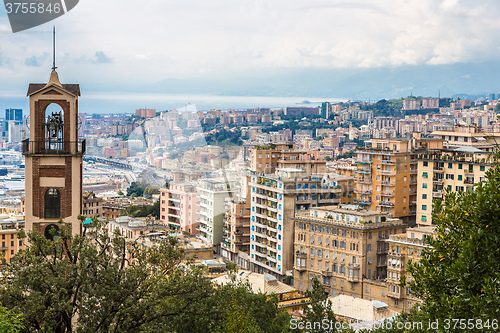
(386, 204)
(353, 278)
(395, 254)
(362, 191)
(437, 180)
(327, 272)
(365, 180)
(329, 200)
(300, 268)
(361, 201)
(364, 171)
(364, 162)
(469, 181)
(301, 255)
(437, 195)
(388, 183)
(55, 147)
(388, 162)
(394, 295)
(387, 194)
(353, 266)
(413, 172)
(438, 170)
(387, 172)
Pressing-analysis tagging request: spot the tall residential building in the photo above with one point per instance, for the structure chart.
(344, 247)
(179, 206)
(455, 170)
(274, 199)
(54, 158)
(213, 194)
(387, 175)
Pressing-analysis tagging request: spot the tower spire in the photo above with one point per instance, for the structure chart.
(54, 48)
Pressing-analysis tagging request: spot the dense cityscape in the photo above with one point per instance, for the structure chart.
(338, 198)
(249, 167)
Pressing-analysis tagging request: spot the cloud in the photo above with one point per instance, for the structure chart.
(101, 58)
(221, 37)
(33, 61)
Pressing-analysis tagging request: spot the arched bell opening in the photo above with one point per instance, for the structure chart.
(54, 127)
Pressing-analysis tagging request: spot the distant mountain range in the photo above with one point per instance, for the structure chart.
(473, 80)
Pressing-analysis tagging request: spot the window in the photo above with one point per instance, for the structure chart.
(424, 218)
(424, 196)
(52, 203)
(424, 207)
(424, 174)
(460, 166)
(481, 168)
(426, 163)
(424, 185)
(450, 165)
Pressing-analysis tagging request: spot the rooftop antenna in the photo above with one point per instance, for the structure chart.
(54, 48)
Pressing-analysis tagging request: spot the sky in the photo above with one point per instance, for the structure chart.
(125, 45)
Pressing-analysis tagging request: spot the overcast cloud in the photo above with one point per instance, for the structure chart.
(149, 40)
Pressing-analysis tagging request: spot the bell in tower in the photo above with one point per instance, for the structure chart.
(54, 156)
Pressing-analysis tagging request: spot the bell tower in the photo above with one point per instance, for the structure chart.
(53, 155)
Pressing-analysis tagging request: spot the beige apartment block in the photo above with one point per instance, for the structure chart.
(468, 136)
(387, 175)
(455, 170)
(403, 249)
(344, 247)
(180, 205)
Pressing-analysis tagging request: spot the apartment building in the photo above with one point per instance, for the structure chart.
(92, 205)
(403, 248)
(453, 170)
(265, 158)
(283, 155)
(344, 248)
(213, 194)
(180, 205)
(387, 175)
(468, 136)
(236, 234)
(10, 243)
(134, 228)
(274, 199)
(309, 161)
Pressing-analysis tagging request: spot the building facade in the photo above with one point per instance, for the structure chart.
(180, 205)
(274, 200)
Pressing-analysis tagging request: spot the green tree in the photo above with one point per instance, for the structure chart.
(9, 321)
(319, 309)
(80, 284)
(459, 274)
